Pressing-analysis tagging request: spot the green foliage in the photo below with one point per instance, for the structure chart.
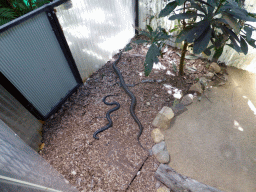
(6, 15)
(156, 40)
(206, 25)
(12, 9)
(217, 21)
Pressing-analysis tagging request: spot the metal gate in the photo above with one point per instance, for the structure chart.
(36, 65)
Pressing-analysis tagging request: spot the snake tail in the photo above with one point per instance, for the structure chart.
(110, 122)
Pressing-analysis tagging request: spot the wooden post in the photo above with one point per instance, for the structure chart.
(177, 182)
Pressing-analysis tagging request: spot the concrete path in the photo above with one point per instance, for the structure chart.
(215, 143)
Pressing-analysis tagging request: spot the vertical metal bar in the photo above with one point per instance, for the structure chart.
(136, 16)
(63, 43)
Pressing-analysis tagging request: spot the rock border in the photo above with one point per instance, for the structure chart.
(163, 120)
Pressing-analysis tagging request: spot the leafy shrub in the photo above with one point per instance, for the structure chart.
(12, 9)
(208, 26)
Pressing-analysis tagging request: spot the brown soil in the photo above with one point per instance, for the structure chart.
(110, 163)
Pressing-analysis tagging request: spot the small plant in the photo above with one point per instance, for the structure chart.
(156, 39)
(209, 25)
(12, 9)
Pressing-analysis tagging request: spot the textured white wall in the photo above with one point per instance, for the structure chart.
(149, 8)
(96, 30)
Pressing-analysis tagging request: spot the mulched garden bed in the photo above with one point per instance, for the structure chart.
(112, 162)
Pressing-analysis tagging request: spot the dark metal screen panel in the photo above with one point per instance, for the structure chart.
(33, 61)
(24, 170)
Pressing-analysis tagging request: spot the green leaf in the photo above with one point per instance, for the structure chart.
(198, 7)
(230, 32)
(180, 2)
(7, 13)
(162, 36)
(211, 8)
(231, 22)
(240, 15)
(182, 35)
(197, 30)
(234, 44)
(207, 52)
(139, 41)
(248, 31)
(174, 29)
(252, 42)
(206, 3)
(202, 41)
(168, 9)
(149, 28)
(185, 16)
(145, 34)
(244, 46)
(193, 31)
(128, 47)
(151, 58)
(218, 52)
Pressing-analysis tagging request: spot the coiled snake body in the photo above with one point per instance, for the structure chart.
(131, 95)
(110, 122)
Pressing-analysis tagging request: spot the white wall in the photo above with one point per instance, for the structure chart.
(96, 30)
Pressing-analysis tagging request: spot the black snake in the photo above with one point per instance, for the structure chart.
(110, 122)
(132, 107)
(133, 98)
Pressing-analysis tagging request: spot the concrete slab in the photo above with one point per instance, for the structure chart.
(215, 143)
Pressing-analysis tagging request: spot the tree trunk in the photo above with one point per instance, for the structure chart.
(177, 182)
(183, 53)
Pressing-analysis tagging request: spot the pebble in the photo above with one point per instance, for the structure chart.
(157, 135)
(197, 87)
(163, 118)
(160, 152)
(187, 99)
(163, 189)
(214, 67)
(179, 109)
(73, 172)
(163, 157)
(158, 184)
(209, 75)
(158, 147)
(148, 103)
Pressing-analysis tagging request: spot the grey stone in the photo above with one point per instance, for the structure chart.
(158, 147)
(163, 118)
(214, 67)
(178, 109)
(197, 87)
(203, 80)
(209, 75)
(187, 99)
(163, 157)
(158, 184)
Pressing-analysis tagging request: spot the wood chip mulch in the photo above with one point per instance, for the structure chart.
(112, 162)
